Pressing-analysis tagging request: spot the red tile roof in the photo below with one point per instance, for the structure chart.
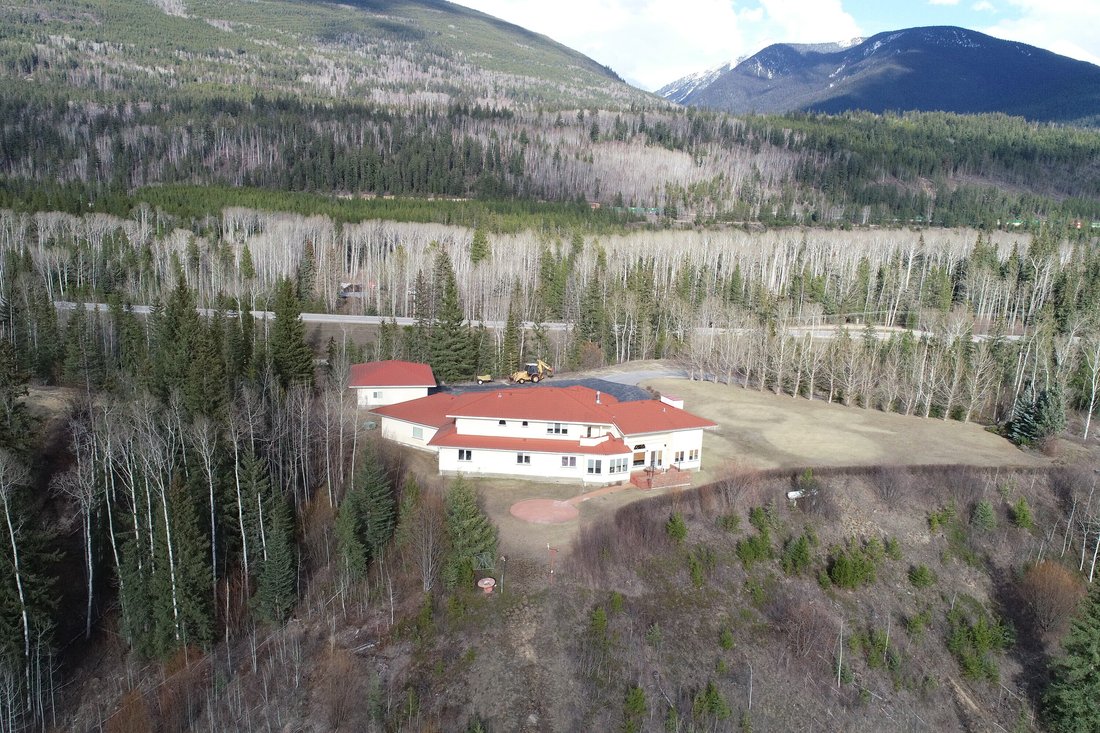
(551, 404)
(554, 404)
(653, 416)
(430, 411)
(448, 437)
(391, 374)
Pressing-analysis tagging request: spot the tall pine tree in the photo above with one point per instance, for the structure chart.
(291, 356)
(450, 338)
(366, 519)
(1070, 703)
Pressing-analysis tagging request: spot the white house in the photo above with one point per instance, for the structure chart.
(380, 383)
(551, 433)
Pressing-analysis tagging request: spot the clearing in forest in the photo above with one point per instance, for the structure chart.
(755, 430)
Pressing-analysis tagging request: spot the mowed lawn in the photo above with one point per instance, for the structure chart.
(764, 430)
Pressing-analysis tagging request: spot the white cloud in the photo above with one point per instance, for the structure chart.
(1067, 27)
(943, 2)
(654, 42)
(983, 6)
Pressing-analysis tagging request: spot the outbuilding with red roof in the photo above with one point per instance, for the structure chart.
(378, 383)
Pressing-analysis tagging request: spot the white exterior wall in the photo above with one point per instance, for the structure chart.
(366, 396)
(669, 444)
(533, 429)
(407, 433)
(543, 466)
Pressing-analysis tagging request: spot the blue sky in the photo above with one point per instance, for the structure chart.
(653, 42)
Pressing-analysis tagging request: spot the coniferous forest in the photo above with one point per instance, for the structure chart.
(201, 531)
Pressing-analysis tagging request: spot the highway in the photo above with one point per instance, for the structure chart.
(820, 331)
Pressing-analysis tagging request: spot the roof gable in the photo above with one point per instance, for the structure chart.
(391, 374)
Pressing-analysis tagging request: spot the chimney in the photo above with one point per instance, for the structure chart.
(597, 396)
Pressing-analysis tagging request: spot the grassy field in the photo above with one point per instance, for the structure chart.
(764, 430)
(758, 430)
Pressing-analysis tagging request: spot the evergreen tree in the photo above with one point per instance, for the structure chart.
(84, 363)
(471, 535)
(276, 591)
(388, 336)
(291, 357)
(306, 274)
(510, 350)
(174, 330)
(479, 246)
(248, 270)
(16, 425)
(179, 587)
(206, 390)
(1069, 704)
(366, 519)
(450, 337)
(1035, 419)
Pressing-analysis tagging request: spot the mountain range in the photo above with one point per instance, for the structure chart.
(938, 68)
(395, 54)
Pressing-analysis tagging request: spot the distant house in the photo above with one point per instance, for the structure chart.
(551, 433)
(379, 383)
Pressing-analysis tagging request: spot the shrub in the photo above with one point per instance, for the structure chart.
(755, 548)
(695, 570)
(851, 566)
(710, 704)
(653, 635)
(921, 577)
(796, 555)
(730, 522)
(983, 516)
(725, 638)
(635, 709)
(758, 517)
(1020, 513)
(973, 635)
(1051, 593)
(918, 622)
(893, 549)
(941, 517)
(676, 528)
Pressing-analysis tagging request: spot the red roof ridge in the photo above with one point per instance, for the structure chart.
(391, 373)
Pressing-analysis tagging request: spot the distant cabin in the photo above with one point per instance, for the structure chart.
(379, 383)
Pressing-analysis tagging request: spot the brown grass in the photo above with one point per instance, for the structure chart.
(775, 431)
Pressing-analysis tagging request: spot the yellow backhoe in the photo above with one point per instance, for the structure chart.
(532, 372)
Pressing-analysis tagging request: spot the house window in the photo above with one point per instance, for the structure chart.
(556, 428)
(376, 395)
(693, 454)
(465, 454)
(679, 456)
(658, 457)
(595, 465)
(617, 465)
(568, 461)
(418, 433)
(639, 454)
(524, 423)
(523, 459)
(502, 422)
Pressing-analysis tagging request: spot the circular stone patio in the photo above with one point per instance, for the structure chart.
(544, 511)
